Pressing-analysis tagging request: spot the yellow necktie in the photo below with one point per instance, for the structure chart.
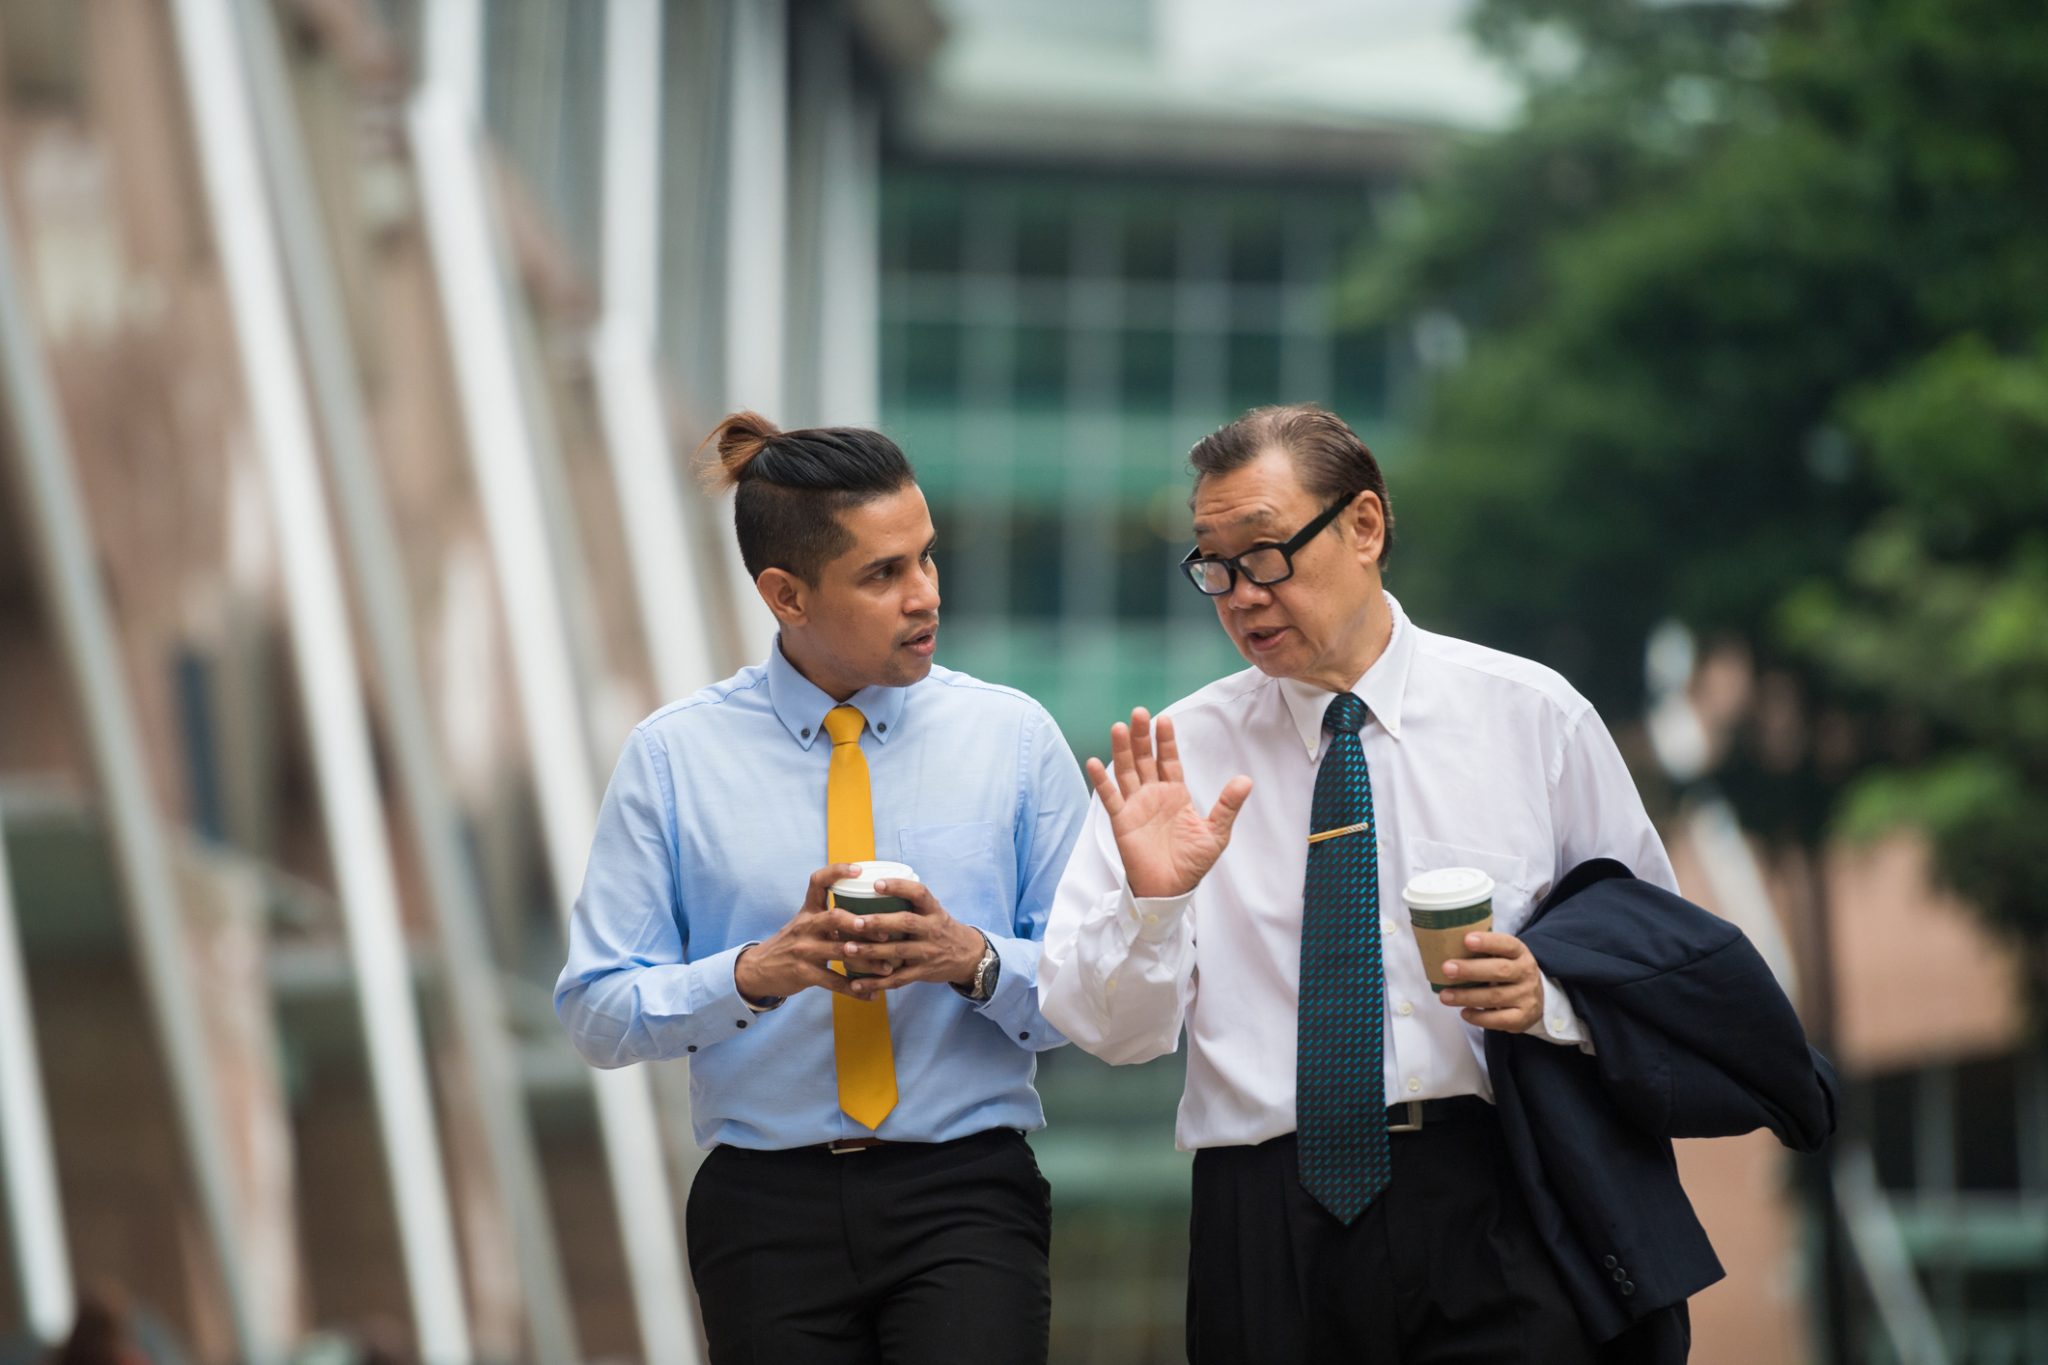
(860, 1028)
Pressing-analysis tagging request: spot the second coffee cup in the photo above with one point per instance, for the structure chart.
(1445, 905)
(857, 895)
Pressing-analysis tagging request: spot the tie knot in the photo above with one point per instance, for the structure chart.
(844, 724)
(1346, 714)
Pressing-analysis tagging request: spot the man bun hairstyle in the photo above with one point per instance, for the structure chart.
(790, 486)
(1329, 459)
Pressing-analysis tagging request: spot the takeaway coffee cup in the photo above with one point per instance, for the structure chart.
(1444, 906)
(857, 895)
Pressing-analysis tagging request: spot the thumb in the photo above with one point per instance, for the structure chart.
(1231, 800)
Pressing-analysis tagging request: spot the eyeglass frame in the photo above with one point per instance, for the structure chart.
(1288, 548)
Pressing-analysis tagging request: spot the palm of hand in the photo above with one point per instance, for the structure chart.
(1167, 844)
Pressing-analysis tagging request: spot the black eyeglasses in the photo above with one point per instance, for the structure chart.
(1264, 564)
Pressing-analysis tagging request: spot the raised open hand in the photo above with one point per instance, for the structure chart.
(1166, 844)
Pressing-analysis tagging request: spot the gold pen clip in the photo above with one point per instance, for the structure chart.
(1339, 833)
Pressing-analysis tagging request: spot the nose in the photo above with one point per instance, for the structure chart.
(1245, 595)
(923, 598)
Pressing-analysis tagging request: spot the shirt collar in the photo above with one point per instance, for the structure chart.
(801, 705)
(1381, 689)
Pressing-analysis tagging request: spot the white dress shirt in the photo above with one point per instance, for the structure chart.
(1478, 759)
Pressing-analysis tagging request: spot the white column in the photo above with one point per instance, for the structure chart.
(476, 300)
(328, 676)
(71, 584)
(42, 1260)
(756, 248)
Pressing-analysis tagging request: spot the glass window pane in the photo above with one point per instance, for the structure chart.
(1041, 365)
(1044, 226)
(1358, 360)
(1258, 248)
(931, 361)
(1254, 369)
(1151, 237)
(1148, 367)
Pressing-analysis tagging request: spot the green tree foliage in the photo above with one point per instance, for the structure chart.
(1755, 307)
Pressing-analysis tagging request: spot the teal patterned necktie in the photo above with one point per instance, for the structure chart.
(1339, 1095)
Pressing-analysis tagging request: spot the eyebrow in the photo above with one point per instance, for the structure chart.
(1265, 516)
(874, 564)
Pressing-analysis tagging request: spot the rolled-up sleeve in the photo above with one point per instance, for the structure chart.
(629, 991)
(1117, 973)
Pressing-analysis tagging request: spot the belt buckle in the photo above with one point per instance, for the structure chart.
(845, 1146)
(1414, 1123)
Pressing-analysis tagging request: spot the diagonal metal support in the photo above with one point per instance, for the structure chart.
(479, 1016)
(63, 546)
(328, 677)
(504, 452)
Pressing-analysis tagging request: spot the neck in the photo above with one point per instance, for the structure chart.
(1371, 634)
(813, 670)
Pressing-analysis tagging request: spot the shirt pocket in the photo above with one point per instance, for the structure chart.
(1514, 883)
(963, 866)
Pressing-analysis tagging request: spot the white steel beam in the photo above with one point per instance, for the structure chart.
(475, 300)
(42, 1259)
(62, 540)
(328, 677)
(479, 1017)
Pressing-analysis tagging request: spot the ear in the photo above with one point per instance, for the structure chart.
(786, 595)
(1368, 521)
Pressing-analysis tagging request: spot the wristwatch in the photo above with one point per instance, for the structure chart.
(985, 973)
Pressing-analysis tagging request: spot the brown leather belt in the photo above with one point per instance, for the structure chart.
(857, 1144)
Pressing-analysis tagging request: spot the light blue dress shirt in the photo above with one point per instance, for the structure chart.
(710, 830)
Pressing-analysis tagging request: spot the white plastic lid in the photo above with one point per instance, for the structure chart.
(863, 882)
(1447, 888)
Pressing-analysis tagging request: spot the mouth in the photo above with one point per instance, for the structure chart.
(923, 642)
(1264, 638)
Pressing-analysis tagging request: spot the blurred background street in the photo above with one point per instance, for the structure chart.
(355, 353)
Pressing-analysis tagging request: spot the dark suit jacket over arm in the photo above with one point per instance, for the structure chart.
(1693, 1038)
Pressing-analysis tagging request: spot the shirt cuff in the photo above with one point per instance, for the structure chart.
(715, 997)
(1559, 1022)
(1156, 917)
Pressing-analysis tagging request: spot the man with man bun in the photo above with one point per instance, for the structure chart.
(869, 1195)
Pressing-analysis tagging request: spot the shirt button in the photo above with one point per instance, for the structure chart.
(806, 732)
(1112, 984)
(1387, 927)
(883, 728)
(693, 1047)
(1557, 1026)
(1414, 1084)
(1151, 919)
(1025, 1036)
(741, 1022)
(1404, 1009)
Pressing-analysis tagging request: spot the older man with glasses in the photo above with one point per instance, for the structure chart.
(1353, 1196)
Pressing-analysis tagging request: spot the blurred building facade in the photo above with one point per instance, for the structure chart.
(353, 351)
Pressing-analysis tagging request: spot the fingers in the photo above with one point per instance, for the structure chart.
(1169, 752)
(1484, 970)
(1121, 760)
(821, 886)
(1504, 1021)
(843, 926)
(919, 896)
(1485, 998)
(1141, 745)
(1098, 778)
(1495, 945)
(1228, 803)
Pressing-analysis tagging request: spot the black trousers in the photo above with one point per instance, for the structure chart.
(906, 1254)
(1443, 1268)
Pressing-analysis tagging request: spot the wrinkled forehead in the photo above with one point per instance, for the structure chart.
(1262, 499)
